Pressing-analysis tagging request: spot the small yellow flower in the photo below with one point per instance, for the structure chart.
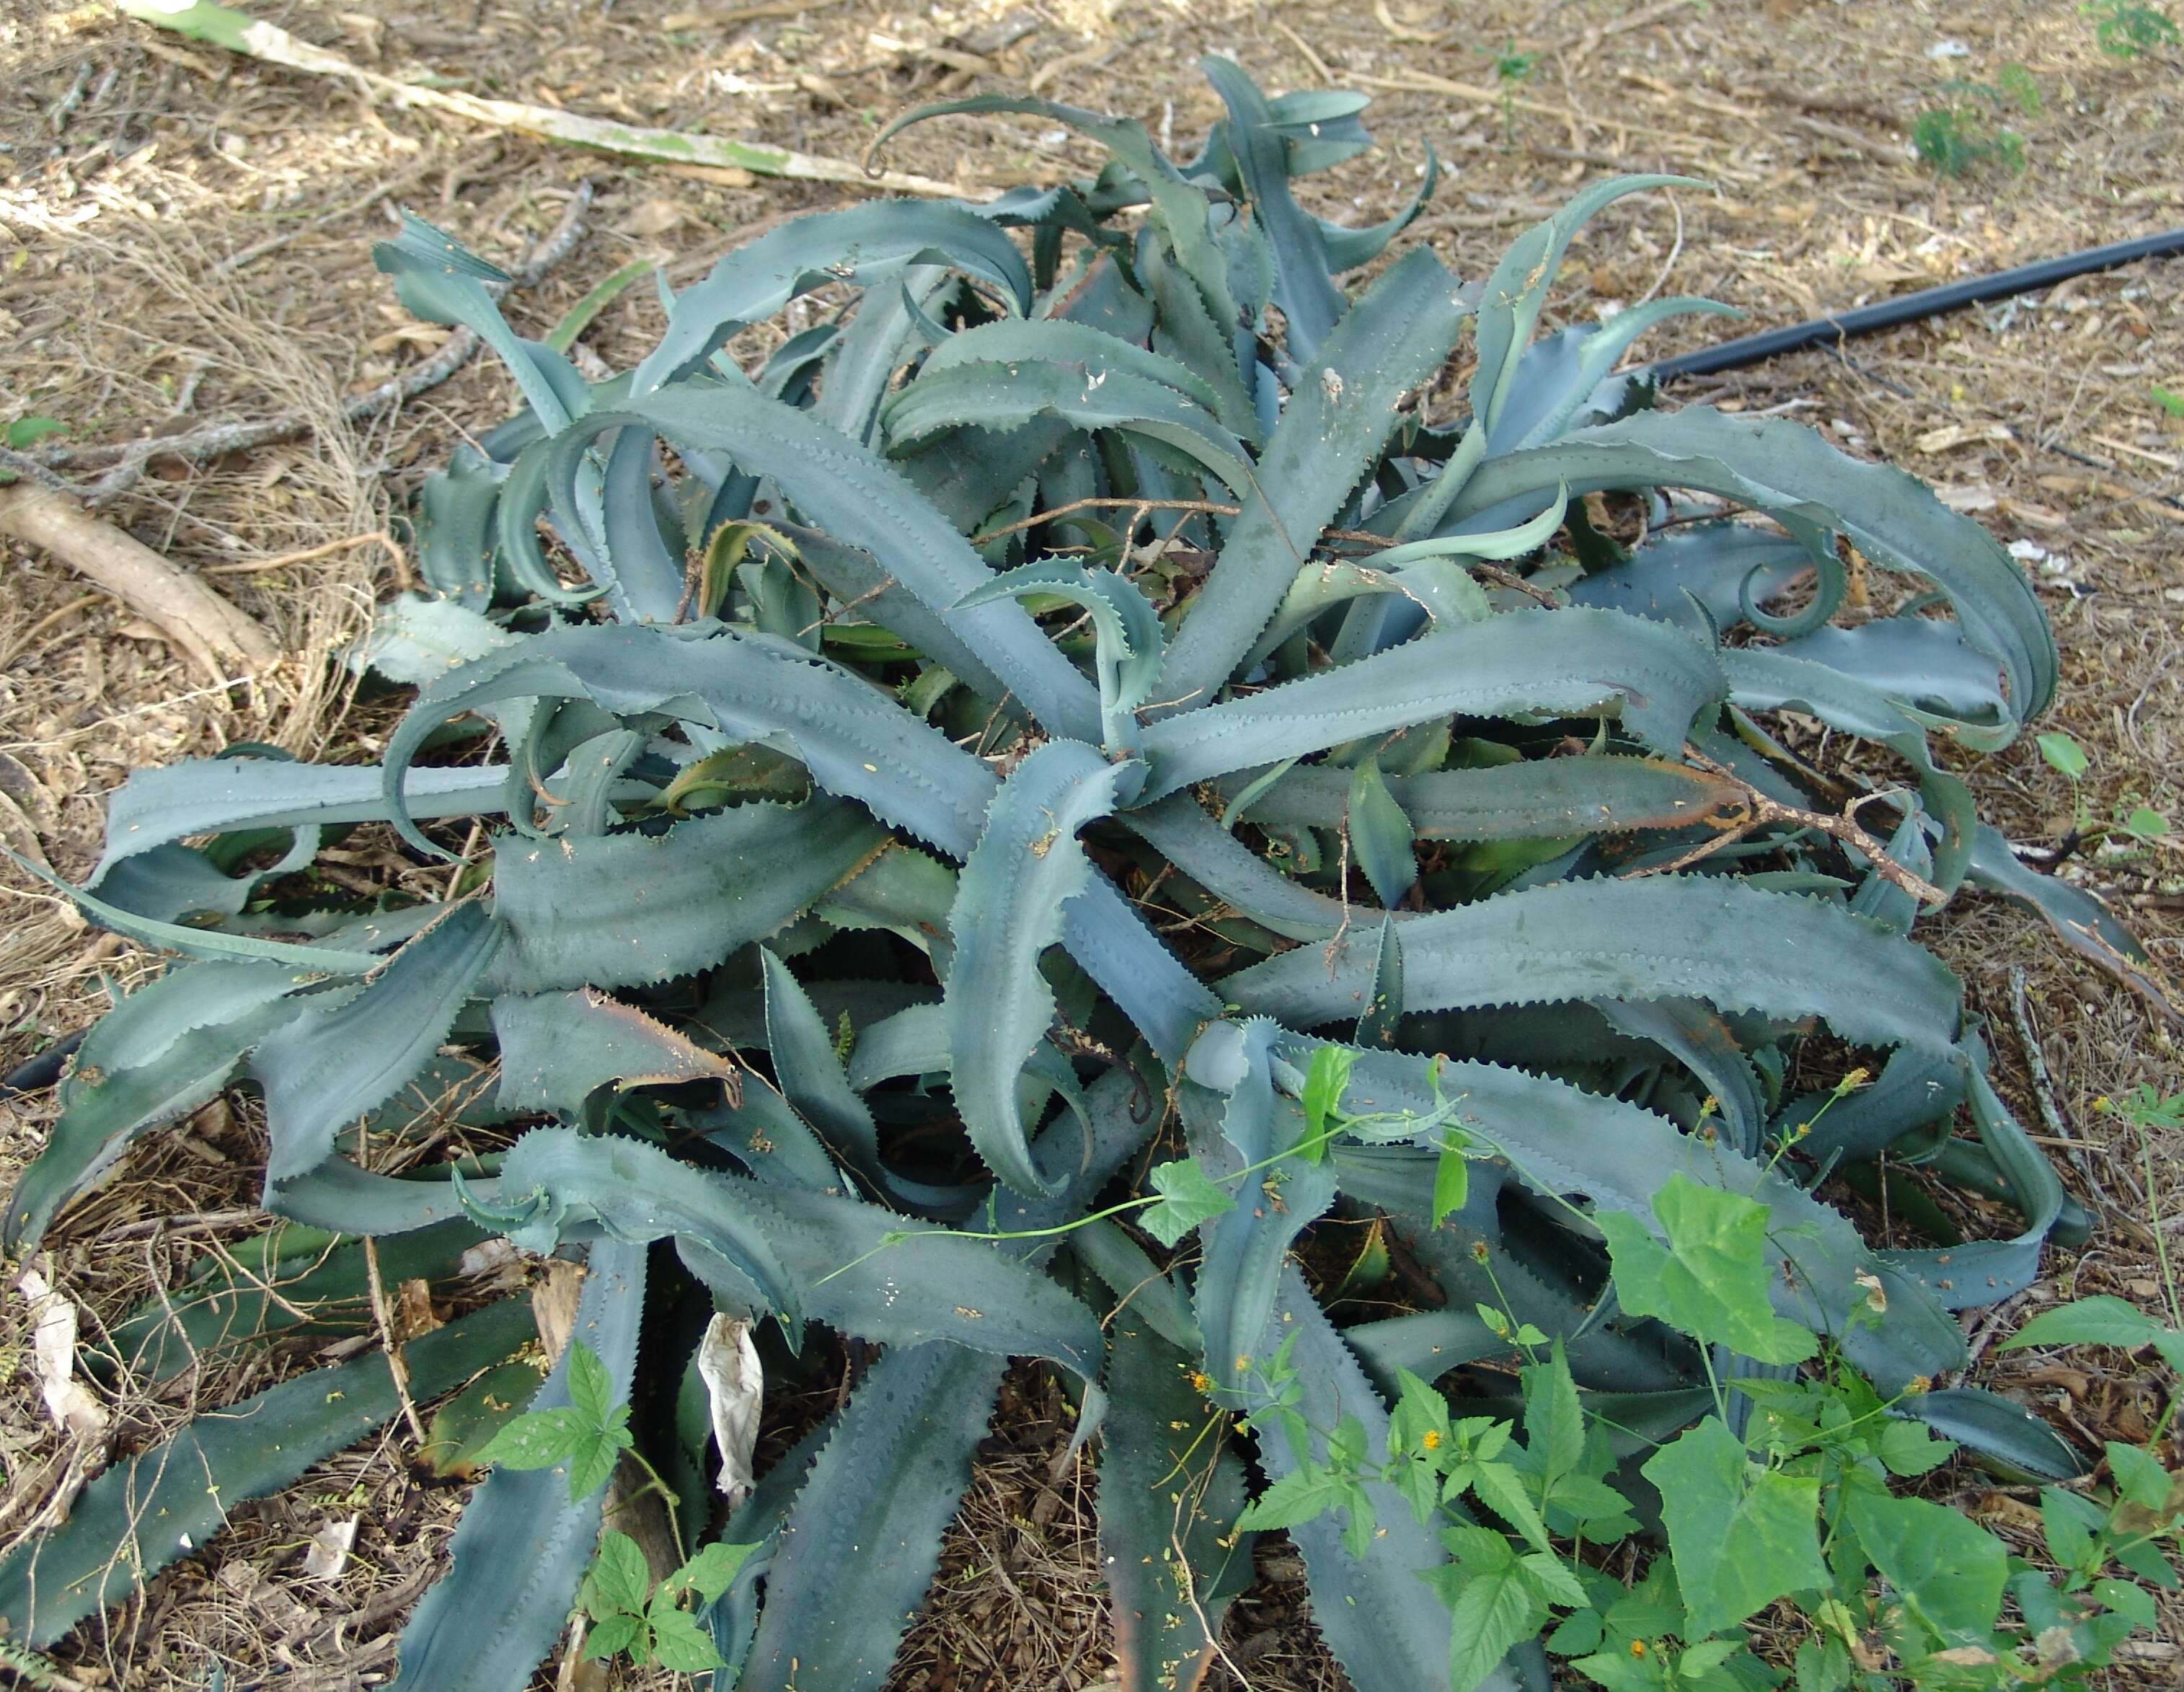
(1637, 1647)
(1431, 1439)
(1201, 1381)
(1856, 1078)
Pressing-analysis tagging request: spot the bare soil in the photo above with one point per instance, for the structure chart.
(184, 239)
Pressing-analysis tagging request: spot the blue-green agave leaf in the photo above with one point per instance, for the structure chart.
(2078, 919)
(1351, 249)
(1304, 286)
(202, 943)
(158, 1054)
(1245, 1247)
(1331, 434)
(1367, 1611)
(1657, 680)
(862, 245)
(342, 1198)
(1059, 340)
(1557, 375)
(440, 280)
(1543, 799)
(1027, 867)
(847, 489)
(1169, 1548)
(810, 1071)
(1380, 835)
(1169, 424)
(858, 1549)
(1177, 207)
(853, 577)
(854, 738)
(763, 1132)
(557, 1049)
(324, 1069)
(891, 328)
(1776, 466)
(1126, 632)
(557, 1183)
(1232, 872)
(1142, 1289)
(1979, 1272)
(171, 1500)
(1664, 937)
(2000, 1431)
(523, 1545)
(627, 908)
(1516, 292)
(1770, 679)
(1428, 1343)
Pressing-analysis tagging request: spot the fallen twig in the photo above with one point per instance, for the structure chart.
(394, 186)
(1304, 46)
(1761, 810)
(224, 641)
(218, 27)
(258, 566)
(124, 463)
(382, 1317)
(51, 620)
(1401, 32)
(2043, 1089)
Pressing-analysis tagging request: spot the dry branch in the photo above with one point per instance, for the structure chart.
(124, 463)
(222, 640)
(218, 27)
(1762, 812)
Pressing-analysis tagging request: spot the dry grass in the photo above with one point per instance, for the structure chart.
(132, 185)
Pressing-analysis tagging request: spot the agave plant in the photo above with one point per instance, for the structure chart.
(1001, 743)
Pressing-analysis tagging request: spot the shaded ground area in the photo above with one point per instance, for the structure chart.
(184, 240)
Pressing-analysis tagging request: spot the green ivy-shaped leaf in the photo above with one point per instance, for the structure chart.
(1188, 1197)
(1948, 1569)
(1711, 1281)
(1741, 1535)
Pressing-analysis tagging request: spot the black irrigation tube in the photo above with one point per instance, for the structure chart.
(42, 1072)
(1910, 308)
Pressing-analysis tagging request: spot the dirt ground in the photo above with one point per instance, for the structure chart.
(184, 240)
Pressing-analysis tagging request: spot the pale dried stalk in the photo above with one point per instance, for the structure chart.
(225, 642)
(218, 27)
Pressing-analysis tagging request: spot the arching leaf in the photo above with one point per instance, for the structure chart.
(1027, 866)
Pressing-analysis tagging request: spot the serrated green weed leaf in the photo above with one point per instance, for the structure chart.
(712, 1570)
(619, 1580)
(538, 1439)
(678, 1642)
